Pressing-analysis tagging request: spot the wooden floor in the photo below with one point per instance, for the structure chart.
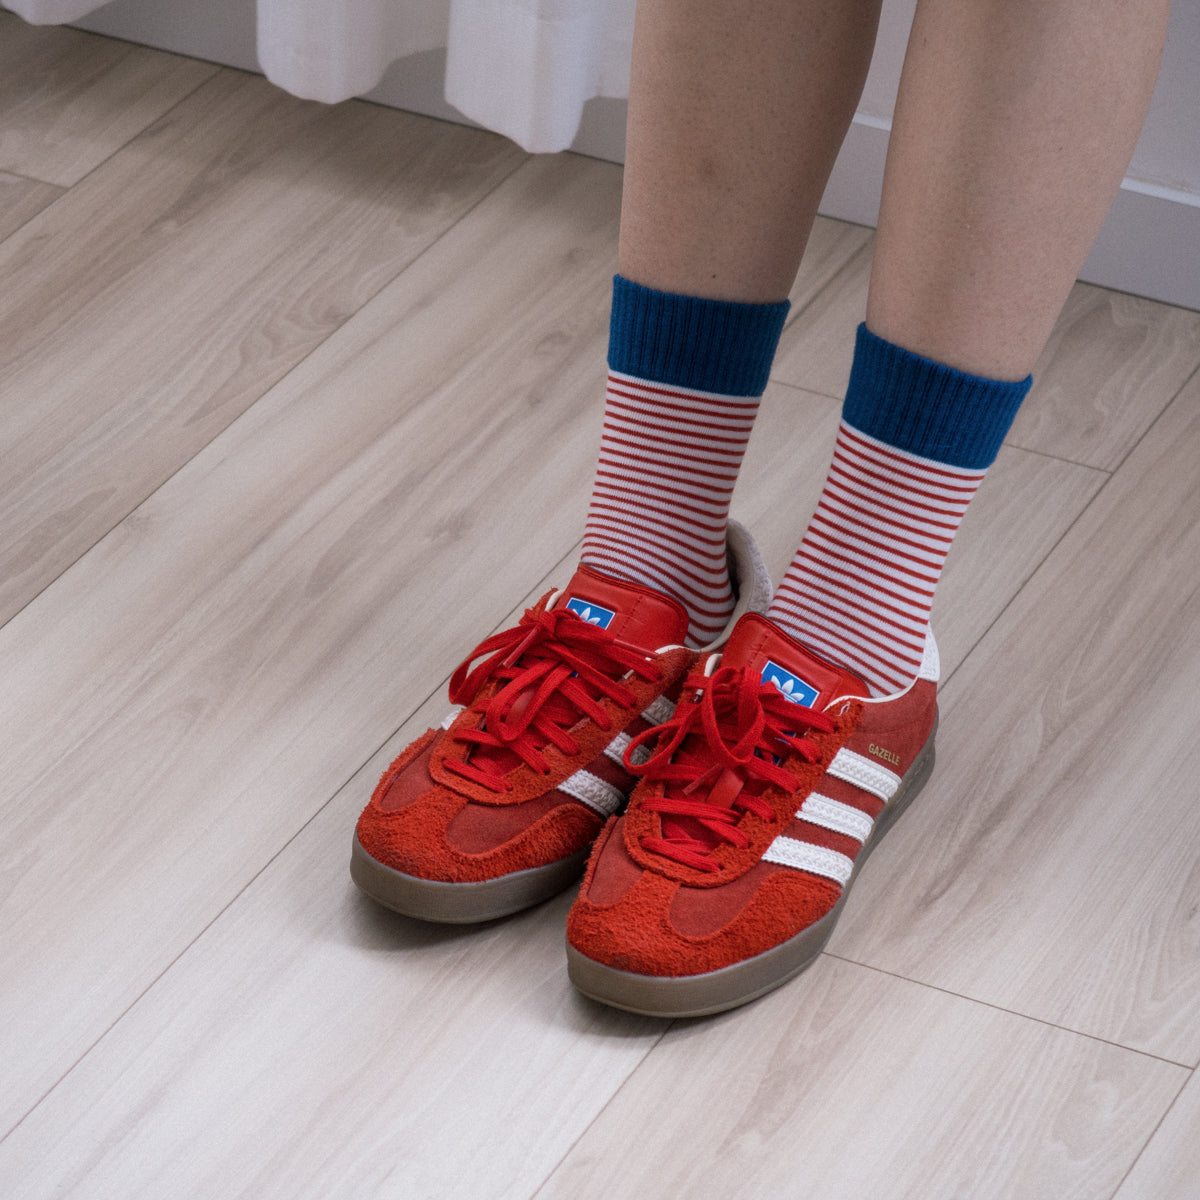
(296, 405)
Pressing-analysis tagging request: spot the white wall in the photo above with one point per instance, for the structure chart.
(1150, 244)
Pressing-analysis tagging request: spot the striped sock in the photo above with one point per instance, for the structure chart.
(914, 444)
(685, 378)
(669, 458)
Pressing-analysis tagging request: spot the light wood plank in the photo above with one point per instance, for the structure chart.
(1169, 1167)
(68, 99)
(310, 1044)
(818, 342)
(1110, 368)
(180, 702)
(149, 307)
(831, 245)
(21, 199)
(851, 1084)
(1053, 864)
(1022, 510)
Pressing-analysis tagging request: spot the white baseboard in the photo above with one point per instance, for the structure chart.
(220, 31)
(1150, 245)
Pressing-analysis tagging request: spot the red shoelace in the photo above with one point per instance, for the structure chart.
(554, 668)
(717, 754)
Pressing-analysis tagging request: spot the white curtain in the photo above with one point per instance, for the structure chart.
(521, 67)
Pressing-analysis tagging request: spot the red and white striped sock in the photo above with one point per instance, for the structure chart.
(669, 457)
(861, 585)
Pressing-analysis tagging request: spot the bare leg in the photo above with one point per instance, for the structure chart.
(737, 109)
(1014, 125)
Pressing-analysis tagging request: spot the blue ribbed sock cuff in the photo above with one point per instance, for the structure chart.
(920, 406)
(710, 345)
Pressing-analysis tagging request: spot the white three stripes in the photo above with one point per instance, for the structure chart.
(595, 792)
(834, 815)
(600, 795)
(864, 773)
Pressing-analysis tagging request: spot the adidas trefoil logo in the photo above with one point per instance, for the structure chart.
(791, 686)
(593, 614)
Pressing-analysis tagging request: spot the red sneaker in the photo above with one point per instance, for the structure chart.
(763, 796)
(496, 810)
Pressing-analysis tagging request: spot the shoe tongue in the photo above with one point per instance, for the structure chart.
(800, 674)
(629, 611)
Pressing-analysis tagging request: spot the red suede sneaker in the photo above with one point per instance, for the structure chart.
(496, 810)
(764, 794)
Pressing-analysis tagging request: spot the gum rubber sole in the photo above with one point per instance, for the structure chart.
(461, 903)
(739, 983)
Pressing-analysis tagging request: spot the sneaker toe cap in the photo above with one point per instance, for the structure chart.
(638, 921)
(440, 835)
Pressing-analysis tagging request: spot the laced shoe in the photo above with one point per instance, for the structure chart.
(496, 810)
(765, 792)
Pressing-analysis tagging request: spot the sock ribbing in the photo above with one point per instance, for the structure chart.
(926, 408)
(716, 346)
